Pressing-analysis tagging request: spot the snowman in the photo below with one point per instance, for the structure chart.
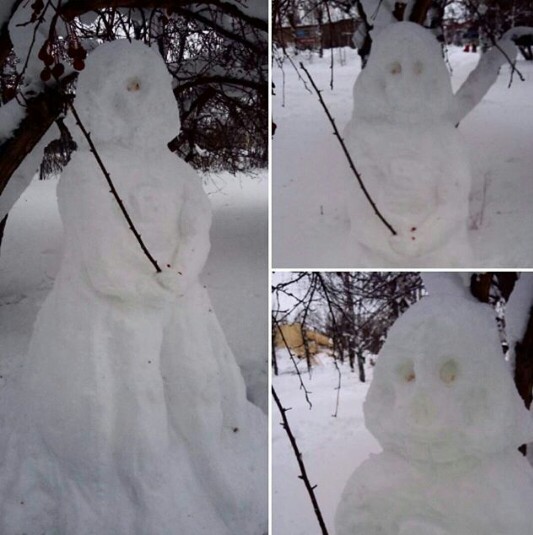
(403, 139)
(133, 413)
(446, 412)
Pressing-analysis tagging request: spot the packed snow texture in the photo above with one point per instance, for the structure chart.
(410, 155)
(444, 408)
(131, 415)
(311, 218)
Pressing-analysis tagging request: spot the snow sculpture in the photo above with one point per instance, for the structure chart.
(403, 140)
(135, 418)
(444, 408)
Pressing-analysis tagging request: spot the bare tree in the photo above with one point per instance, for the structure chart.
(216, 52)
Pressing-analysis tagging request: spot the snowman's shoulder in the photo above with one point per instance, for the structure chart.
(385, 471)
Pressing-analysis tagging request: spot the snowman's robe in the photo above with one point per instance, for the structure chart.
(133, 413)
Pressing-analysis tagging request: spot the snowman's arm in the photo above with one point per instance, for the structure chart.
(109, 253)
(481, 79)
(194, 226)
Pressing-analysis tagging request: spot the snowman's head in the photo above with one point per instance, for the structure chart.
(441, 389)
(124, 96)
(405, 79)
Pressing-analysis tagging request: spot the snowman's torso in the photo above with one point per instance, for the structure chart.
(409, 176)
(388, 495)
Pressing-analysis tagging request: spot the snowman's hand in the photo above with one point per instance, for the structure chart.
(404, 244)
(173, 281)
(148, 291)
(435, 231)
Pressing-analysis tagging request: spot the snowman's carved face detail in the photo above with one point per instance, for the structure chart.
(449, 371)
(133, 84)
(125, 95)
(441, 389)
(406, 372)
(406, 78)
(396, 67)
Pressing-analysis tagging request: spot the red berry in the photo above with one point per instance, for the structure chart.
(58, 70)
(9, 93)
(78, 64)
(42, 53)
(45, 75)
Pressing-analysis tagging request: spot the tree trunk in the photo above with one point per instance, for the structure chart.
(274, 359)
(419, 11)
(361, 365)
(2, 228)
(523, 372)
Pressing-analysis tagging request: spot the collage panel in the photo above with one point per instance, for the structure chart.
(403, 135)
(401, 403)
(133, 267)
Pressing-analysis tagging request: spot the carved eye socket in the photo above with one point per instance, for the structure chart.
(418, 67)
(407, 372)
(448, 372)
(396, 68)
(133, 85)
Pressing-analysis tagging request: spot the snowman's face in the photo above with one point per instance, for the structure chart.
(405, 78)
(124, 95)
(441, 390)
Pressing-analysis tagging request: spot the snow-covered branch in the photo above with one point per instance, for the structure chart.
(481, 79)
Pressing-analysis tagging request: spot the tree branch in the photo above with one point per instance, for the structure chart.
(42, 111)
(113, 190)
(75, 8)
(347, 154)
(310, 488)
(222, 80)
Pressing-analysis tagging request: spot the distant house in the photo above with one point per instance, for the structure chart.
(314, 36)
(296, 338)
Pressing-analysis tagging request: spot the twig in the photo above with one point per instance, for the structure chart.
(302, 384)
(113, 189)
(310, 488)
(347, 154)
(334, 323)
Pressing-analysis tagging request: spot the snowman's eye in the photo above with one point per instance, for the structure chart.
(448, 372)
(406, 372)
(418, 67)
(396, 68)
(133, 85)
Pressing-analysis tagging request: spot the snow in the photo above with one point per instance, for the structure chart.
(518, 308)
(445, 283)
(5, 10)
(410, 156)
(22, 177)
(446, 459)
(310, 220)
(11, 114)
(332, 447)
(129, 393)
(134, 114)
(444, 408)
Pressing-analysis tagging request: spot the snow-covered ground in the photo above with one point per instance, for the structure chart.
(332, 447)
(310, 226)
(235, 274)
